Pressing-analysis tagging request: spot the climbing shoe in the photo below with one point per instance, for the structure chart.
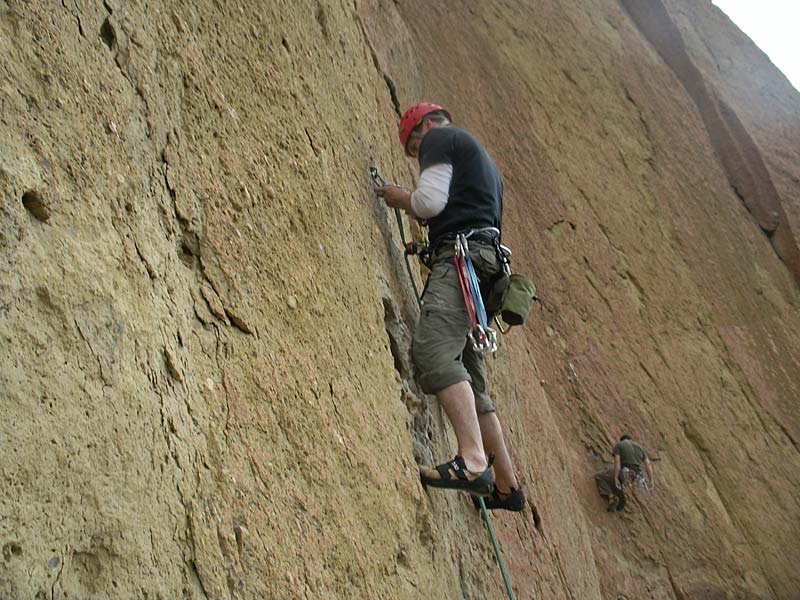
(620, 504)
(612, 504)
(513, 500)
(454, 475)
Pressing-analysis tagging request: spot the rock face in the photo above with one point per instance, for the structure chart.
(205, 386)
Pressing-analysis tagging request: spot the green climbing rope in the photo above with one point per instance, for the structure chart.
(405, 254)
(378, 180)
(497, 555)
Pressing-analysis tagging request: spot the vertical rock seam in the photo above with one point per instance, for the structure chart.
(737, 151)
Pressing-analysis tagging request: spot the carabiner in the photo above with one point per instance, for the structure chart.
(491, 334)
(484, 342)
(462, 248)
(377, 180)
(477, 344)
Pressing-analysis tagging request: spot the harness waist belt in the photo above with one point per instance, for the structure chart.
(483, 237)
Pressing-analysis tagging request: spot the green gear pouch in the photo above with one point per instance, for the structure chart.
(491, 275)
(519, 297)
(493, 298)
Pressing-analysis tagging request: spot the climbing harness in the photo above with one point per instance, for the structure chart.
(483, 337)
(633, 477)
(489, 340)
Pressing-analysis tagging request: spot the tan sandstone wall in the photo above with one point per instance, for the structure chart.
(198, 393)
(205, 388)
(670, 313)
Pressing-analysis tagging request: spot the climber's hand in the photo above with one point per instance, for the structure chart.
(395, 197)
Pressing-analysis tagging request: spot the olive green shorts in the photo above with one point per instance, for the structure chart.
(441, 351)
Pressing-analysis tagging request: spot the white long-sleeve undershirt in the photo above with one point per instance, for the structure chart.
(430, 197)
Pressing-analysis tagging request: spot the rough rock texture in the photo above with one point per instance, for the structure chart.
(205, 387)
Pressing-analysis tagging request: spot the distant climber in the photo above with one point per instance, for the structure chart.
(626, 470)
(460, 192)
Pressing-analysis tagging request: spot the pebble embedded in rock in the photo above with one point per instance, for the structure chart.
(172, 365)
(54, 562)
(292, 302)
(178, 22)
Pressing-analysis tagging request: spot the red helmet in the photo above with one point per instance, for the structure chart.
(413, 117)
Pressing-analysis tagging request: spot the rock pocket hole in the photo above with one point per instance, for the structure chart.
(537, 520)
(108, 35)
(34, 203)
(186, 255)
(11, 549)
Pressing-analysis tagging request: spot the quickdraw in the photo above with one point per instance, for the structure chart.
(408, 247)
(482, 337)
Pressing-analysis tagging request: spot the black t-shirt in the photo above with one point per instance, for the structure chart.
(476, 190)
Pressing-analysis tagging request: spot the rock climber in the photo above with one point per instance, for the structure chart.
(627, 469)
(459, 191)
